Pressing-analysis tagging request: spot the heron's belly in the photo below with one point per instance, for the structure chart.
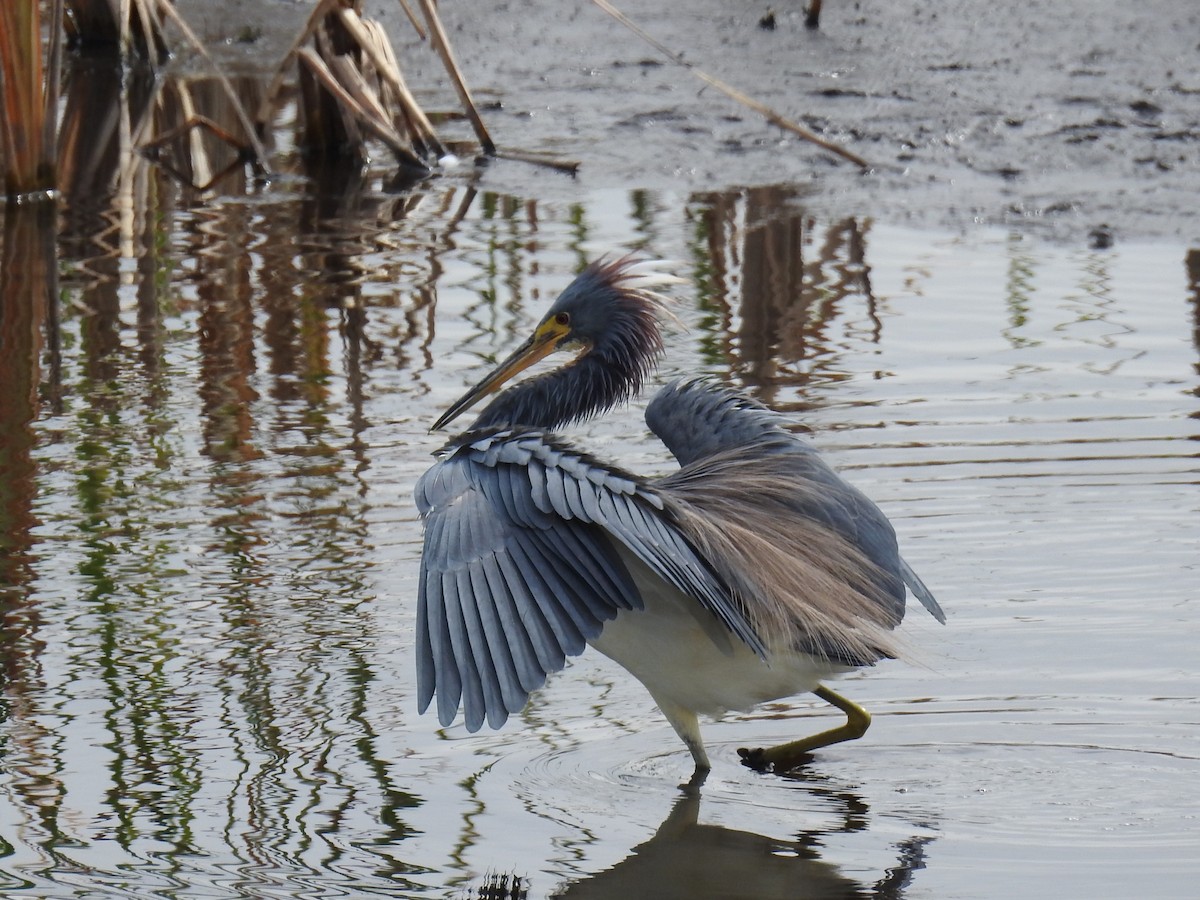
(682, 654)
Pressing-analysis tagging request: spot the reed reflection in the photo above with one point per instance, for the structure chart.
(291, 543)
(1019, 291)
(688, 859)
(778, 284)
(28, 308)
(214, 667)
(28, 325)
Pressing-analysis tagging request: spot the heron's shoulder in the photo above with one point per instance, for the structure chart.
(697, 419)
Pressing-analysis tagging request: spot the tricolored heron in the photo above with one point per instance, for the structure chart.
(751, 573)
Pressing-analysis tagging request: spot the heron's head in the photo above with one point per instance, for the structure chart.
(609, 315)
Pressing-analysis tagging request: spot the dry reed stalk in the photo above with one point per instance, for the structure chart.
(134, 26)
(29, 99)
(412, 20)
(352, 88)
(371, 37)
(767, 112)
(442, 45)
(138, 25)
(271, 98)
(347, 87)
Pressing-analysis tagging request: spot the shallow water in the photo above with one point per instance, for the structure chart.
(209, 446)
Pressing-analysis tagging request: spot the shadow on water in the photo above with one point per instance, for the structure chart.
(686, 858)
(215, 402)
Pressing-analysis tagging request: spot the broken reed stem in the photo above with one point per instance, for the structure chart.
(371, 122)
(771, 115)
(260, 154)
(267, 106)
(441, 44)
(374, 43)
(570, 166)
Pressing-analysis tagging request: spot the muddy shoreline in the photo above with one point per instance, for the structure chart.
(1079, 119)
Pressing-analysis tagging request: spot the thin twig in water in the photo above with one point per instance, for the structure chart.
(570, 166)
(771, 115)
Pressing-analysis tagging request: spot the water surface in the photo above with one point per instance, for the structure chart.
(210, 439)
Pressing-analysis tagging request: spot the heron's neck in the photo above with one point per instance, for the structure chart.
(586, 387)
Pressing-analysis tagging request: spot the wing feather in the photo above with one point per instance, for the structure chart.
(521, 573)
(555, 490)
(495, 643)
(520, 568)
(528, 621)
(433, 670)
(492, 661)
(474, 708)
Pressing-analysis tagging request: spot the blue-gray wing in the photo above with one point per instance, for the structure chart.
(520, 569)
(700, 422)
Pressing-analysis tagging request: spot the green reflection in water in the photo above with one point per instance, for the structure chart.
(1018, 291)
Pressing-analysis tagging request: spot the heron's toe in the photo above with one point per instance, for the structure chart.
(780, 760)
(755, 759)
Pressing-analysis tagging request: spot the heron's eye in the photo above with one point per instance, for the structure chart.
(563, 318)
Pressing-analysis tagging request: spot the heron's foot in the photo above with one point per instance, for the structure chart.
(787, 757)
(773, 759)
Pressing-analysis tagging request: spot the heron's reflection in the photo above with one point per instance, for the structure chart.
(688, 859)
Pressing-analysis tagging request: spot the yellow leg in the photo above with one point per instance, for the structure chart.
(791, 755)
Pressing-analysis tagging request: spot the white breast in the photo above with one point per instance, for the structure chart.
(684, 655)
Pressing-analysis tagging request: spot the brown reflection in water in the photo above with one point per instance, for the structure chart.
(226, 333)
(777, 281)
(109, 202)
(28, 288)
(28, 316)
(275, 504)
(687, 859)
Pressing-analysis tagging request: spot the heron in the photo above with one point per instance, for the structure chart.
(751, 573)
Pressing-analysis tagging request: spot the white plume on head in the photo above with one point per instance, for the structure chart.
(643, 275)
